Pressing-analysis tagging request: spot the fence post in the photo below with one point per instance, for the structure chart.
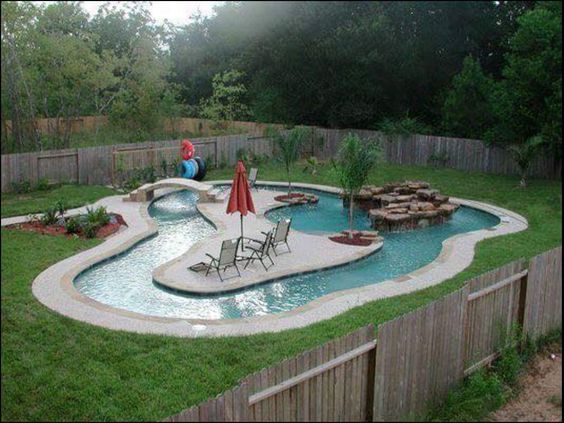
(370, 377)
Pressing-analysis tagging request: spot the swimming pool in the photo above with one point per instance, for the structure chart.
(125, 281)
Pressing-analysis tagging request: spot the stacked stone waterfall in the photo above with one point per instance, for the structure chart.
(403, 206)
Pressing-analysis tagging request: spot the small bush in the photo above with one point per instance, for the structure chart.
(50, 216)
(43, 184)
(61, 208)
(22, 187)
(73, 225)
(98, 217)
(132, 183)
(90, 229)
(404, 126)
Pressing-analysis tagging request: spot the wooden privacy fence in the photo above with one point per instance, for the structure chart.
(428, 150)
(413, 361)
(96, 165)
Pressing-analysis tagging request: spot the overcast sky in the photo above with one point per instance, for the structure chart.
(176, 12)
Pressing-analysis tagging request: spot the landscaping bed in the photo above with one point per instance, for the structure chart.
(297, 198)
(116, 221)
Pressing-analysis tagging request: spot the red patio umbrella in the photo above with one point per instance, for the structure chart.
(240, 198)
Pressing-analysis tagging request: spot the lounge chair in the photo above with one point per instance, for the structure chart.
(281, 234)
(227, 258)
(252, 177)
(260, 252)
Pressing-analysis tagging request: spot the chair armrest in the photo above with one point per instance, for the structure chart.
(255, 240)
(210, 256)
(253, 248)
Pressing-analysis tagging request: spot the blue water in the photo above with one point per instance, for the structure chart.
(125, 281)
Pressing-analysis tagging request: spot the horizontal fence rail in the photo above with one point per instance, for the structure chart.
(413, 361)
(96, 165)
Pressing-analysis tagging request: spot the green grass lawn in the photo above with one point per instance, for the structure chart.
(39, 201)
(55, 368)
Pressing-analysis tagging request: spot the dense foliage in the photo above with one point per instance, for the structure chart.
(475, 69)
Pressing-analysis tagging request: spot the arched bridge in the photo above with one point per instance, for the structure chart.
(146, 192)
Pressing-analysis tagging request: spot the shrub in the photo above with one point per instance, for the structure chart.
(21, 187)
(99, 216)
(404, 126)
(90, 229)
(312, 164)
(164, 168)
(243, 154)
(132, 183)
(43, 184)
(50, 216)
(73, 225)
(61, 208)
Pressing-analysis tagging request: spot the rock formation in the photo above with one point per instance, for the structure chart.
(403, 206)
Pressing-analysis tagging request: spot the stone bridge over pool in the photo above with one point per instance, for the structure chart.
(145, 192)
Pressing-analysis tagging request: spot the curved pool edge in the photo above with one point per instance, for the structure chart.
(165, 277)
(55, 289)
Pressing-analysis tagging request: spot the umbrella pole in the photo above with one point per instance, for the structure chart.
(242, 239)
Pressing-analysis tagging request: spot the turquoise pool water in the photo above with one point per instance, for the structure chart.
(125, 281)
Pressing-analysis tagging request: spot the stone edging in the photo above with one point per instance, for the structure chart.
(54, 286)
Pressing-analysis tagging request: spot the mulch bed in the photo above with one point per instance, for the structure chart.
(287, 197)
(355, 240)
(38, 227)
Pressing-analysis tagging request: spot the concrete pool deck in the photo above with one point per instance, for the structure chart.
(176, 276)
(54, 286)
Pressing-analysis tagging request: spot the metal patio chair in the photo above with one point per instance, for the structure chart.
(260, 252)
(281, 234)
(253, 173)
(227, 258)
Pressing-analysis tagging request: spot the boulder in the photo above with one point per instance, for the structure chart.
(390, 186)
(415, 185)
(377, 215)
(398, 205)
(426, 194)
(425, 206)
(396, 218)
(439, 199)
(399, 210)
(403, 190)
(406, 198)
(386, 199)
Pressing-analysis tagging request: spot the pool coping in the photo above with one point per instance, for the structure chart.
(55, 289)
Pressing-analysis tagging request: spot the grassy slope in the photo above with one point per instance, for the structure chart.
(57, 368)
(39, 201)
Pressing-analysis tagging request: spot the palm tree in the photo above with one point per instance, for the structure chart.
(524, 154)
(289, 147)
(355, 161)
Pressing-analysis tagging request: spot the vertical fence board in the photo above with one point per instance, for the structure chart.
(543, 309)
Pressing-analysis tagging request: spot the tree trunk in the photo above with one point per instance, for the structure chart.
(289, 181)
(351, 216)
(523, 181)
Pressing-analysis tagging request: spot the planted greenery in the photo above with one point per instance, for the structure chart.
(356, 160)
(73, 225)
(289, 144)
(488, 389)
(524, 154)
(49, 217)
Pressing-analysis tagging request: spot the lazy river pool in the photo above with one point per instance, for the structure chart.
(125, 281)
